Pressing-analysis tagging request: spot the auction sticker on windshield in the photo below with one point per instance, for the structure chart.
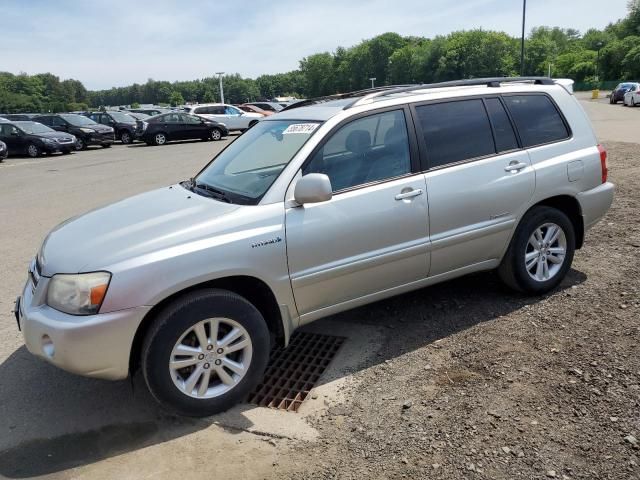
(301, 128)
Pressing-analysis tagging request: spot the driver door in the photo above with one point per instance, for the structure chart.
(372, 236)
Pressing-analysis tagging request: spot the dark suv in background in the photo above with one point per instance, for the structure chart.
(86, 131)
(123, 124)
(618, 94)
(33, 139)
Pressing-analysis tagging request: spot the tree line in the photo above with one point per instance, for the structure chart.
(612, 53)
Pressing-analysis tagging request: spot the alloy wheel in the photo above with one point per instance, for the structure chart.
(33, 151)
(210, 358)
(215, 134)
(160, 139)
(545, 252)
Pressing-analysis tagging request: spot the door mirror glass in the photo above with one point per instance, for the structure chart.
(313, 188)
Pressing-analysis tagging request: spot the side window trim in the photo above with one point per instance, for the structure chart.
(493, 128)
(414, 156)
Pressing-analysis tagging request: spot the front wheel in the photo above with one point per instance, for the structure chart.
(81, 144)
(540, 253)
(216, 134)
(205, 352)
(126, 137)
(34, 151)
(159, 139)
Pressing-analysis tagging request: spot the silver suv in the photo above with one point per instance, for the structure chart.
(234, 118)
(330, 204)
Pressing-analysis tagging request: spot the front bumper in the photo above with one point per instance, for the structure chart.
(58, 147)
(595, 203)
(96, 346)
(100, 139)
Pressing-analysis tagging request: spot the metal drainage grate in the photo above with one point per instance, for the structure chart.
(294, 371)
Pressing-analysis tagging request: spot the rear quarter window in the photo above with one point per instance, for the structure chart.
(537, 119)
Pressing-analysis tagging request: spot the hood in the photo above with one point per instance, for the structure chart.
(98, 127)
(142, 224)
(56, 135)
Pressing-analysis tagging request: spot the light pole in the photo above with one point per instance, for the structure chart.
(373, 82)
(221, 90)
(524, 17)
(599, 46)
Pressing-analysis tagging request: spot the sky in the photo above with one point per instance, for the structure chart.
(119, 42)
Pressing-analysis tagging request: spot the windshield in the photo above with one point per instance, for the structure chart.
(77, 120)
(245, 170)
(33, 127)
(122, 117)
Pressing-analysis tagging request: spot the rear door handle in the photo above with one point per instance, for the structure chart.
(515, 166)
(409, 194)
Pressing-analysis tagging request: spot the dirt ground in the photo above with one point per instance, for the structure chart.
(474, 381)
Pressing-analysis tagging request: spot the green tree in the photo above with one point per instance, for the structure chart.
(176, 99)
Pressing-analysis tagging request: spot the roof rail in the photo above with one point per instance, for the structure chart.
(493, 82)
(340, 96)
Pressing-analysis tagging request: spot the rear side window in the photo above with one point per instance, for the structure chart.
(502, 128)
(455, 131)
(537, 119)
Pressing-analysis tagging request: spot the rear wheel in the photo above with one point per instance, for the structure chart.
(81, 144)
(205, 352)
(159, 139)
(540, 253)
(33, 150)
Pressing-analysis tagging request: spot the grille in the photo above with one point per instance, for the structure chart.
(295, 370)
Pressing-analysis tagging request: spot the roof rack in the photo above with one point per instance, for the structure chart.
(493, 82)
(340, 96)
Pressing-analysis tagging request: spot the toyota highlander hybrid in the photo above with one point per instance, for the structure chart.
(329, 204)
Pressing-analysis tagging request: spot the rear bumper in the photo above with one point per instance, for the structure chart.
(595, 203)
(96, 346)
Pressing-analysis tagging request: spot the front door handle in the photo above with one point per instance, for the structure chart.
(409, 194)
(515, 166)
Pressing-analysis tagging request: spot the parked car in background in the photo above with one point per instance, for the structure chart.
(34, 139)
(316, 210)
(234, 118)
(253, 109)
(271, 106)
(618, 93)
(124, 125)
(19, 116)
(3, 151)
(632, 97)
(150, 111)
(168, 127)
(86, 131)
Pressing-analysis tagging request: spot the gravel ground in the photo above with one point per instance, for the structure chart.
(475, 381)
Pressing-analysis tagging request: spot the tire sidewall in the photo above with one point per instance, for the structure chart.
(174, 321)
(532, 220)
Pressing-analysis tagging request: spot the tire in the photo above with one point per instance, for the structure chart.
(126, 137)
(160, 139)
(81, 144)
(513, 268)
(216, 134)
(633, 102)
(33, 150)
(174, 328)
(106, 145)
(611, 102)
(66, 152)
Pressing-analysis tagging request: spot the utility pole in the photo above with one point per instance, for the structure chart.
(524, 18)
(373, 82)
(599, 45)
(221, 90)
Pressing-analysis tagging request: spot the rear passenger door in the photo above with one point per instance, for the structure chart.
(479, 180)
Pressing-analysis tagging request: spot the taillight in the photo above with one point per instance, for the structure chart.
(603, 163)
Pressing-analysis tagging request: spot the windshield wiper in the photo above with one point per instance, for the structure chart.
(214, 192)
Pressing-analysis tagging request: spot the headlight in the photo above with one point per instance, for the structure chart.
(144, 126)
(74, 139)
(80, 294)
(87, 130)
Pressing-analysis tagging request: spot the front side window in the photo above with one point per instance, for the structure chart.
(172, 118)
(455, 131)
(537, 119)
(244, 171)
(365, 150)
(76, 120)
(58, 122)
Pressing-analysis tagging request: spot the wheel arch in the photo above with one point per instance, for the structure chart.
(256, 291)
(571, 208)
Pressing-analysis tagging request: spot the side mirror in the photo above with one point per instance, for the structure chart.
(15, 133)
(313, 188)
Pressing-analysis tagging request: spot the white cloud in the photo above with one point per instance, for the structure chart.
(122, 42)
